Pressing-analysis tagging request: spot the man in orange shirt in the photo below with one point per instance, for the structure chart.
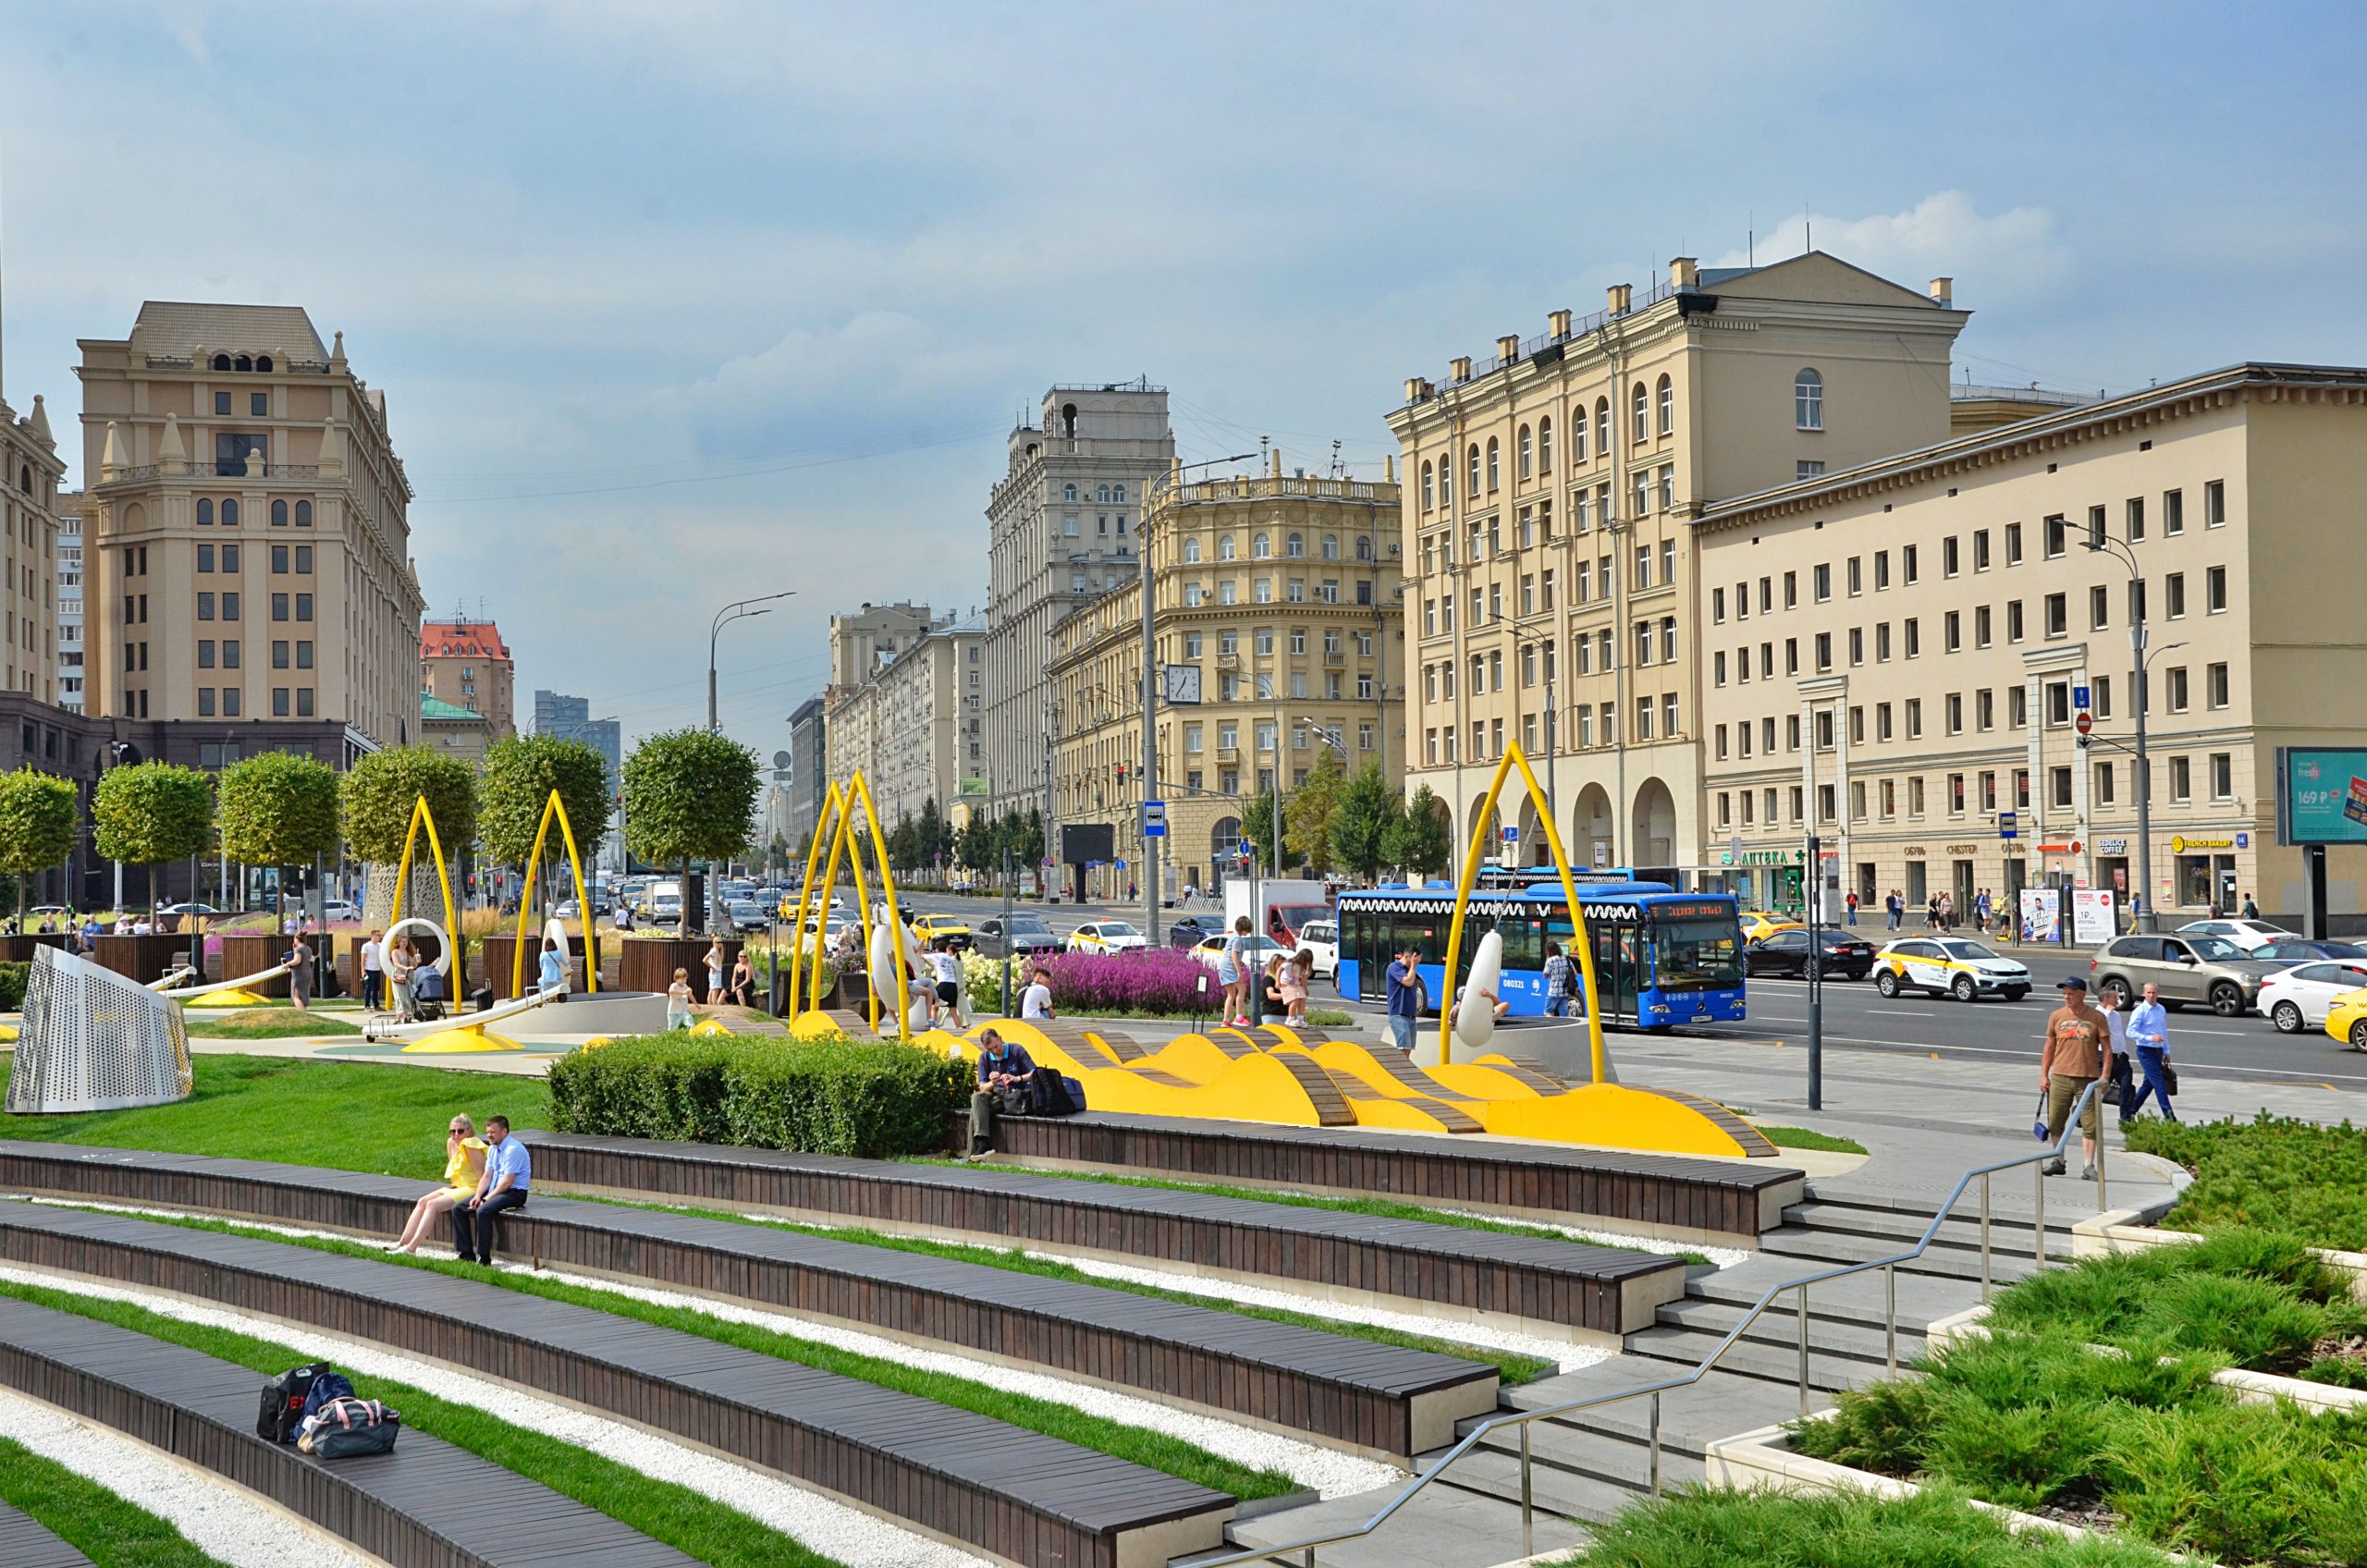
(2078, 1052)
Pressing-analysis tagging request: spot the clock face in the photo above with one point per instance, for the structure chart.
(1182, 684)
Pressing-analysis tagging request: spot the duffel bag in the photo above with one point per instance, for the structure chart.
(347, 1427)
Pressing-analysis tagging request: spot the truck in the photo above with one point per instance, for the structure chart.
(1277, 907)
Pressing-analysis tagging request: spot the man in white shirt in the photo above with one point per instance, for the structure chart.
(2149, 1031)
(1036, 1002)
(374, 972)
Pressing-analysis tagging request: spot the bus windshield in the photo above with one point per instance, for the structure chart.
(1696, 955)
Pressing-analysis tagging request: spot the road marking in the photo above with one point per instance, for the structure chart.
(1913, 1012)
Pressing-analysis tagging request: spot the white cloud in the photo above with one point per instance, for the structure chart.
(2014, 256)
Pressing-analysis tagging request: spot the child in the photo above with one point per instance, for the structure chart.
(678, 1000)
(1296, 975)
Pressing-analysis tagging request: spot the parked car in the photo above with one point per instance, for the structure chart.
(747, 914)
(1026, 937)
(1758, 923)
(2347, 1019)
(2299, 998)
(2244, 934)
(1256, 949)
(1321, 938)
(59, 912)
(1789, 952)
(2301, 949)
(168, 909)
(1106, 937)
(2208, 971)
(1188, 931)
(948, 931)
(1948, 966)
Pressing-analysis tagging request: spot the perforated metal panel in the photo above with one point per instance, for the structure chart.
(423, 895)
(93, 1040)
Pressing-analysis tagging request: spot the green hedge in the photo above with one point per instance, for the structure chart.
(2300, 1178)
(873, 1100)
(13, 980)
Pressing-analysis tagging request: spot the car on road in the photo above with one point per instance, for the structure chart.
(747, 914)
(168, 909)
(1321, 939)
(1256, 949)
(1758, 923)
(1106, 937)
(2347, 1019)
(2299, 998)
(2207, 971)
(1026, 936)
(948, 931)
(1190, 930)
(1948, 966)
(2244, 934)
(2301, 949)
(1790, 952)
(665, 908)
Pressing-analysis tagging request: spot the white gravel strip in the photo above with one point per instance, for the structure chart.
(223, 1520)
(821, 1524)
(1330, 1472)
(1723, 1257)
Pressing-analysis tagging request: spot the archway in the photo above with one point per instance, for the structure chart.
(1591, 824)
(1495, 824)
(1533, 848)
(1654, 836)
(1224, 849)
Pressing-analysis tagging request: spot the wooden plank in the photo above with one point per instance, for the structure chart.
(25, 1543)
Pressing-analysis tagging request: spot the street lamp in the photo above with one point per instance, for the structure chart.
(741, 611)
(2097, 539)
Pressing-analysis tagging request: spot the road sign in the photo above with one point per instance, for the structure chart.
(2005, 828)
(2084, 722)
(1510, 833)
(1154, 819)
(2078, 696)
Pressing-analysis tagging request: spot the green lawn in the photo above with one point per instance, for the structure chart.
(103, 1526)
(1805, 1138)
(353, 1115)
(661, 1510)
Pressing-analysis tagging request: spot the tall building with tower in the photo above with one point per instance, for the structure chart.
(463, 661)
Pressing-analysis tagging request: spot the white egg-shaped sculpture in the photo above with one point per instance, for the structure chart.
(1475, 1017)
(891, 943)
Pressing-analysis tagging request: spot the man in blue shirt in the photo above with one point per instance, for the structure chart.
(1406, 996)
(503, 1185)
(2149, 1031)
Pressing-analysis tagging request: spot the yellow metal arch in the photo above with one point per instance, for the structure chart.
(839, 824)
(861, 787)
(422, 817)
(823, 825)
(1578, 939)
(526, 898)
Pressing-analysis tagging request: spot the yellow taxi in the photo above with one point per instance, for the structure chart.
(2347, 1019)
(950, 930)
(1757, 923)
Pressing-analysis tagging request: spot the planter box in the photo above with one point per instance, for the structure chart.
(650, 962)
(2134, 1230)
(2250, 1388)
(142, 959)
(244, 952)
(20, 950)
(499, 953)
(1766, 1459)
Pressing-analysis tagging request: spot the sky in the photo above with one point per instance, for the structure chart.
(678, 303)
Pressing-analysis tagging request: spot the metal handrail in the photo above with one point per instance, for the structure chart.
(1889, 1265)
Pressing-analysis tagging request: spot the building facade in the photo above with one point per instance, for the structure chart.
(931, 710)
(1276, 629)
(30, 471)
(564, 718)
(863, 643)
(453, 730)
(809, 770)
(70, 602)
(466, 664)
(1060, 533)
(1896, 652)
(246, 536)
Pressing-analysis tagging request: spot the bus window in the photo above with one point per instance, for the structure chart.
(1696, 955)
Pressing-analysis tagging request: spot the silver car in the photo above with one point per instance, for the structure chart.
(2208, 971)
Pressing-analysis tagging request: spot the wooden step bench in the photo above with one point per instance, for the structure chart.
(1537, 1284)
(1354, 1393)
(1730, 1202)
(1002, 1490)
(426, 1505)
(25, 1543)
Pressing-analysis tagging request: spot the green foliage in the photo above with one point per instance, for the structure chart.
(903, 844)
(1314, 806)
(514, 789)
(1360, 826)
(1421, 840)
(103, 1526)
(1257, 828)
(14, 977)
(378, 794)
(689, 795)
(932, 838)
(1808, 1138)
(813, 1097)
(153, 811)
(278, 809)
(39, 815)
(2301, 1177)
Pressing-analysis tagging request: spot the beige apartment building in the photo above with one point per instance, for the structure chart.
(248, 551)
(464, 663)
(1548, 507)
(30, 471)
(1894, 652)
(916, 728)
(1274, 612)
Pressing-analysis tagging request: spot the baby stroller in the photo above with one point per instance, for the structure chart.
(427, 994)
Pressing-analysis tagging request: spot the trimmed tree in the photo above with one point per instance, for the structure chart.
(1368, 807)
(278, 810)
(1307, 821)
(376, 795)
(515, 788)
(38, 818)
(1258, 827)
(688, 796)
(1421, 840)
(153, 812)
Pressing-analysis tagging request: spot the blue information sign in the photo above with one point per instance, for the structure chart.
(2005, 828)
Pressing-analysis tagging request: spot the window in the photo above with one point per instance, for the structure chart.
(2133, 514)
(1980, 626)
(1857, 576)
(1808, 400)
(2013, 544)
(1955, 708)
(1881, 643)
(2104, 783)
(205, 702)
(279, 557)
(2214, 682)
(1823, 585)
(1791, 592)
(1523, 452)
(1857, 645)
(205, 558)
(1913, 630)
(1882, 570)
(2174, 595)
(2058, 702)
(2102, 695)
(2214, 590)
(206, 607)
(1493, 467)
(1906, 565)
(221, 403)
(2175, 680)
(230, 702)
(1426, 485)
(2181, 780)
(1545, 446)
(1981, 549)
(1471, 466)
(1952, 632)
(1643, 711)
(1823, 652)
(204, 512)
(279, 514)
(205, 653)
(2223, 776)
(2099, 608)
(2055, 541)
(1949, 563)
(1882, 721)
(1637, 406)
(304, 514)
(2058, 786)
(1668, 561)
(1808, 468)
(2214, 506)
(1717, 601)
(2058, 615)
(279, 653)
(1668, 639)
(231, 659)
(1984, 709)
(279, 702)
(279, 607)
(1643, 496)
(1643, 578)
(1668, 487)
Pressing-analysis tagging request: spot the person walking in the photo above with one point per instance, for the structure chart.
(678, 1000)
(374, 972)
(299, 960)
(947, 970)
(2078, 1052)
(1406, 998)
(1559, 991)
(1981, 908)
(1893, 908)
(2116, 1020)
(2251, 910)
(402, 963)
(2149, 1031)
(1853, 908)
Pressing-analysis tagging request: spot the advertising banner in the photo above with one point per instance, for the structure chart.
(2091, 916)
(2041, 915)
(2324, 794)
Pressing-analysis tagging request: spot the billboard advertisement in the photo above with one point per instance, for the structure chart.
(2041, 915)
(2322, 795)
(2093, 919)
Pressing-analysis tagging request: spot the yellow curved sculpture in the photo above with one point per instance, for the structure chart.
(463, 1038)
(552, 808)
(838, 820)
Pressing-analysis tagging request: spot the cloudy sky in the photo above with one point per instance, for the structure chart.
(676, 303)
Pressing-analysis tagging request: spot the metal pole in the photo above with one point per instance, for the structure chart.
(1890, 1316)
(2038, 1247)
(1815, 965)
(1150, 750)
(1656, 1443)
(1527, 1500)
(1804, 1349)
(1010, 878)
(2099, 1163)
(2146, 919)
(1984, 1237)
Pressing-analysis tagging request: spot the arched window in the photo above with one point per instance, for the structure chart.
(279, 514)
(1331, 547)
(1668, 405)
(1495, 467)
(1578, 436)
(1191, 550)
(1526, 469)
(1118, 493)
(1471, 463)
(245, 363)
(1425, 484)
(1364, 547)
(1226, 550)
(1296, 546)
(1545, 446)
(263, 364)
(1808, 400)
(230, 512)
(1602, 425)
(1637, 406)
(1260, 547)
(205, 512)
(1101, 494)
(1068, 493)
(221, 361)
(304, 514)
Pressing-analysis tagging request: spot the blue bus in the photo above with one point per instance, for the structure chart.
(1662, 958)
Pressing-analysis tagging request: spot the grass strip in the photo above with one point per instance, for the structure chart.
(267, 1023)
(1379, 1209)
(104, 1528)
(710, 1531)
(1511, 1366)
(1808, 1138)
(1154, 1450)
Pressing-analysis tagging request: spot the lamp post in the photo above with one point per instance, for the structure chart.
(740, 610)
(2097, 539)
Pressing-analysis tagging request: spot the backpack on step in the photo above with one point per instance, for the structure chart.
(346, 1428)
(327, 1387)
(283, 1403)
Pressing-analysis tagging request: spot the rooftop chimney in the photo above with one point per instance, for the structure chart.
(1416, 389)
(1616, 297)
(1389, 468)
(1460, 366)
(1276, 456)
(1508, 348)
(1557, 323)
(1685, 272)
(1943, 291)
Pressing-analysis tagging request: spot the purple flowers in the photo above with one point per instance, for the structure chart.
(1146, 980)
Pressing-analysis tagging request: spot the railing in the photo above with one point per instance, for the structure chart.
(1265, 486)
(215, 468)
(1889, 1265)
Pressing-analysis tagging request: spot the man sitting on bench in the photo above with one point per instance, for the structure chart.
(503, 1185)
(1005, 1074)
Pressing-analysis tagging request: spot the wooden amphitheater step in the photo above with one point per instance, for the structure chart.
(426, 1505)
(1348, 1392)
(1008, 1492)
(25, 1543)
(1540, 1284)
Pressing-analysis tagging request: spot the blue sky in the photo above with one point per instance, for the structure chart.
(675, 303)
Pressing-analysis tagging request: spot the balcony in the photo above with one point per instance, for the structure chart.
(212, 469)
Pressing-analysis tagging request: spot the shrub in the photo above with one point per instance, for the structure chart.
(14, 977)
(2300, 1178)
(872, 1101)
(1721, 1527)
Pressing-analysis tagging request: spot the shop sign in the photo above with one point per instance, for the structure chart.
(1964, 849)
(1770, 857)
(2111, 845)
(2181, 844)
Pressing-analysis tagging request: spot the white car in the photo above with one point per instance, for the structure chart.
(2298, 998)
(1256, 950)
(1321, 938)
(2245, 934)
(1105, 937)
(1948, 966)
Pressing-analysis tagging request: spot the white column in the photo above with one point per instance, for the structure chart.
(2034, 717)
(1840, 798)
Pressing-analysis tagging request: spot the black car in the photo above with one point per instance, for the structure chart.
(2302, 950)
(1190, 931)
(1028, 935)
(1787, 953)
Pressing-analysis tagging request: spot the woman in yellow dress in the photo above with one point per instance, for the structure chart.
(463, 1165)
